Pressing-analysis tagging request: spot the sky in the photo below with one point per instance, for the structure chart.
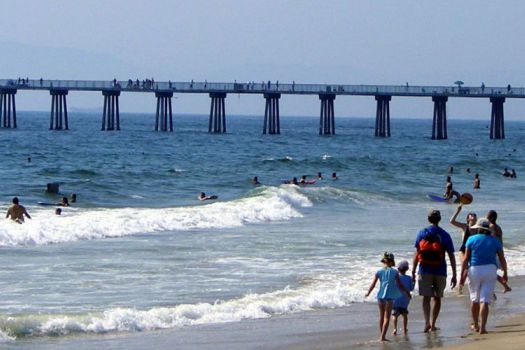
(329, 41)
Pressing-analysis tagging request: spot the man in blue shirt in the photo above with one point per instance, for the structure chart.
(431, 244)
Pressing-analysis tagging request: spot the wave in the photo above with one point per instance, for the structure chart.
(327, 294)
(268, 204)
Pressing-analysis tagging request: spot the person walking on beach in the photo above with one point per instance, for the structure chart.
(466, 230)
(480, 262)
(400, 306)
(17, 212)
(389, 289)
(431, 244)
(492, 216)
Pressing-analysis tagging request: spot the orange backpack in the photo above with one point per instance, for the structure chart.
(431, 250)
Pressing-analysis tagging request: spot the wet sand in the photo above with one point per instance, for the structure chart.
(352, 327)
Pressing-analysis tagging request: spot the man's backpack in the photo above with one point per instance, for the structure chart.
(431, 251)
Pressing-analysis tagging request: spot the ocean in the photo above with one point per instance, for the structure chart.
(139, 252)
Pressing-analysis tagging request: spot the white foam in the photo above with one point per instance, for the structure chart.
(271, 204)
(325, 293)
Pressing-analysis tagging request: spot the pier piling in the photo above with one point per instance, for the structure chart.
(111, 113)
(383, 116)
(497, 123)
(439, 121)
(327, 117)
(8, 108)
(164, 116)
(272, 124)
(58, 119)
(217, 122)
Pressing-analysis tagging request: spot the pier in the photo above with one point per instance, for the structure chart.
(271, 91)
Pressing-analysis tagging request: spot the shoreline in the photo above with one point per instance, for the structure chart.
(353, 326)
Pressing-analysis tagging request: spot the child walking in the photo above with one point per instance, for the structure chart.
(400, 306)
(389, 290)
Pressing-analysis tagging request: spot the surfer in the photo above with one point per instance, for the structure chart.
(255, 181)
(17, 212)
(449, 190)
(506, 173)
(204, 197)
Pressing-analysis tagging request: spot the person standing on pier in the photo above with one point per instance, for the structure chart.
(431, 245)
(17, 212)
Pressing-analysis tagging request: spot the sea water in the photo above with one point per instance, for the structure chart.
(140, 252)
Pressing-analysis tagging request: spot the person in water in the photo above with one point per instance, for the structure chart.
(303, 180)
(506, 173)
(477, 182)
(73, 198)
(255, 181)
(64, 203)
(204, 197)
(294, 181)
(319, 176)
(58, 211)
(513, 174)
(449, 190)
(334, 176)
(17, 212)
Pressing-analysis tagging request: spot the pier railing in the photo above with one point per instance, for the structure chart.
(263, 87)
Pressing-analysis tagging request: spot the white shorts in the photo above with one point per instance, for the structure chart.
(481, 282)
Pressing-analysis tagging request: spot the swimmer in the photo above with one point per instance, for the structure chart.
(73, 198)
(513, 174)
(303, 180)
(204, 197)
(334, 176)
(17, 212)
(294, 181)
(255, 181)
(468, 170)
(319, 176)
(58, 211)
(64, 203)
(506, 173)
(477, 181)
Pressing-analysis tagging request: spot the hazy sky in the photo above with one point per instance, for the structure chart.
(354, 42)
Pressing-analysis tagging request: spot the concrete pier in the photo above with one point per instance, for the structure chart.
(164, 116)
(217, 122)
(439, 121)
(111, 114)
(383, 116)
(497, 123)
(327, 117)
(58, 119)
(8, 108)
(272, 123)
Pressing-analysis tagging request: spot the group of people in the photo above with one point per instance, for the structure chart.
(481, 255)
(511, 174)
(18, 212)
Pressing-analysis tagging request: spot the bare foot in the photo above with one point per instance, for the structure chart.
(394, 332)
(474, 327)
(383, 340)
(507, 288)
(405, 331)
(427, 329)
(483, 331)
(434, 328)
